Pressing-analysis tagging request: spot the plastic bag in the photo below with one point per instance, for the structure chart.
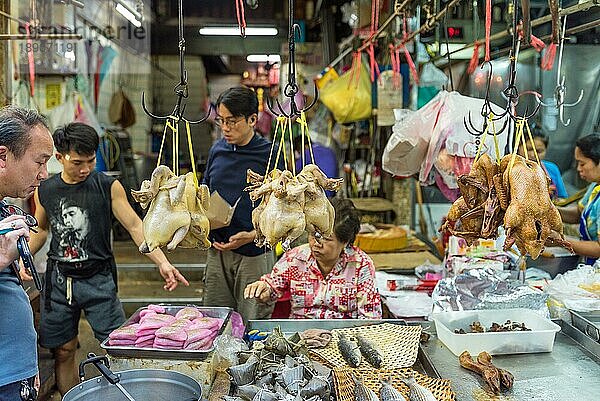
(566, 289)
(348, 99)
(407, 146)
(226, 351)
(432, 76)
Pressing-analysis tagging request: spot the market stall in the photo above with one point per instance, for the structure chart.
(413, 184)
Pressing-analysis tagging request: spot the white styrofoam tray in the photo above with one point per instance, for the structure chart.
(539, 339)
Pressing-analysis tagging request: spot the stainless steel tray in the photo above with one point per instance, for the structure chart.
(156, 353)
(588, 323)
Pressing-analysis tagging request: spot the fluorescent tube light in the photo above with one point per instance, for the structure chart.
(128, 14)
(235, 31)
(263, 58)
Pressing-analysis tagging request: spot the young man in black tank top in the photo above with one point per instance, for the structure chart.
(77, 207)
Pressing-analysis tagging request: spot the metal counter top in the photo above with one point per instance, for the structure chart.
(569, 372)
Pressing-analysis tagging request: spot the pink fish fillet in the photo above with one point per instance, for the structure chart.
(151, 323)
(172, 333)
(205, 343)
(121, 342)
(145, 312)
(188, 312)
(206, 323)
(145, 344)
(156, 308)
(195, 335)
(157, 316)
(145, 332)
(181, 323)
(124, 333)
(143, 339)
(167, 343)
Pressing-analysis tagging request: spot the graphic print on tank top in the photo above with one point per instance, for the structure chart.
(72, 223)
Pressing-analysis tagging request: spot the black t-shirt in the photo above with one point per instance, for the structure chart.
(80, 217)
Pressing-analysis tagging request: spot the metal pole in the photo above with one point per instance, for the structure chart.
(540, 21)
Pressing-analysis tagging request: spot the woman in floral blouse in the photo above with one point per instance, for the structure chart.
(328, 278)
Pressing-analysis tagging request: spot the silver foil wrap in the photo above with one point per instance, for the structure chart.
(485, 289)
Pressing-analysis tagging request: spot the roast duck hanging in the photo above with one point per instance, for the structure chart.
(513, 193)
(291, 204)
(176, 211)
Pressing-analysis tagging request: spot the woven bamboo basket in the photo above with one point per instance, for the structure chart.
(344, 385)
(399, 345)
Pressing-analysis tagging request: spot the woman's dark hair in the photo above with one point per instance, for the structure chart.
(240, 101)
(16, 124)
(589, 146)
(77, 137)
(347, 220)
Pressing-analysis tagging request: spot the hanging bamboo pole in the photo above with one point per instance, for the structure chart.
(539, 21)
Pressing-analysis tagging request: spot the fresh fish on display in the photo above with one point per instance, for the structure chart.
(389, 393)
(368, 350)
(230, 398)
(362, 392)
(349, 350)
(418, 392)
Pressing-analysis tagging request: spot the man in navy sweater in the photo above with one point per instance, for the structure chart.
(235, 261)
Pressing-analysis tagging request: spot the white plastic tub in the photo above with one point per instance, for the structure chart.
(539, 339)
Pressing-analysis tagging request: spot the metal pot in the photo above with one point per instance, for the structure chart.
(133, 385)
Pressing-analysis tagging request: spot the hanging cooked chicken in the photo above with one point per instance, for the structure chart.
(300, 203)
(477, 213)
(516, 196)
(283, 215)
(531, 216)
(318, 211)
(256, 181)
(176, 211)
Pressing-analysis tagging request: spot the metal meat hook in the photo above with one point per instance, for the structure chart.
(291, 88)
(561, 91)
(486, 109)
(181, 89)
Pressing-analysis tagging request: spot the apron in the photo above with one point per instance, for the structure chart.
(583, 228)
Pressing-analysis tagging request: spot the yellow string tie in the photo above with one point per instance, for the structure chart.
(304, 124)
(281, 142)
(518, 139)
(191, 149)
(496, 145)
(537, 158)
(162, 144)
(482, 143)
(292, 155)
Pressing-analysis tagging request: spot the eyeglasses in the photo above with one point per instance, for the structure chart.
(228, 122)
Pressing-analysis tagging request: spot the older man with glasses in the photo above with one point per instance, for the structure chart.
(234, 261)
(25, 147)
